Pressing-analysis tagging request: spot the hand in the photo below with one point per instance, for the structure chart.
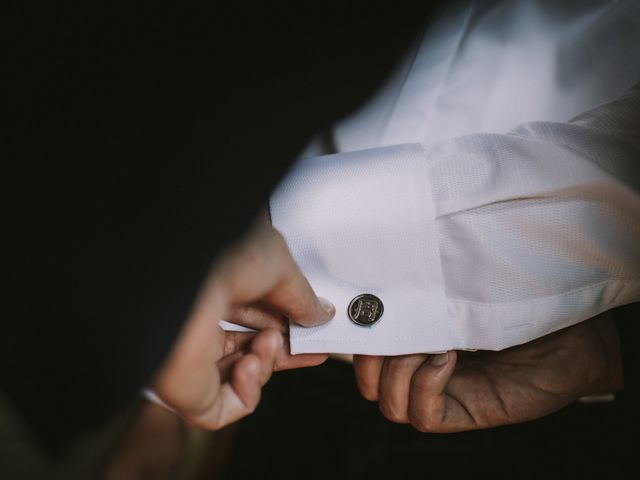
(213, 377)
(458, 391)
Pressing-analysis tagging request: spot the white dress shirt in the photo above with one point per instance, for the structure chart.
(489, 194)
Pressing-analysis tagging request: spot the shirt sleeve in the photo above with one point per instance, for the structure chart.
(479, 242)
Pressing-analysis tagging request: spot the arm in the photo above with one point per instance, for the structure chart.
(213, 377)
(479, 242)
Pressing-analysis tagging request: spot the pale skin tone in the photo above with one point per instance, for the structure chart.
(459, 391)
(212, 377)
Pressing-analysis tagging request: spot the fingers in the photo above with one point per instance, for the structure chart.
(430, 408)
(286, 361)
(395, 383)
(240, 395)
(258, 318)
(367, 369)
(246, 373)
(213, 377)
(238, 342)
(264, 269)
(411, 389)
(267, 345)
(296, 299)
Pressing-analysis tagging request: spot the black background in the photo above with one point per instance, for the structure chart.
(139, 140)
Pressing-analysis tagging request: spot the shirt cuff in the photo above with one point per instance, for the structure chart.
(364, 222)
(153, 397)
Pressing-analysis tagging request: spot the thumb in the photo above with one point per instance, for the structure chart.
(429, 405)
(263, 269)
(293, 295)
(296, 299)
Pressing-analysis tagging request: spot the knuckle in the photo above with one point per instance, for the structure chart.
(229, 344)
(391, 413)
(369, 394)
(242, 312)
(423, 385)
(367, 388)
(422, 424)
(420, 382)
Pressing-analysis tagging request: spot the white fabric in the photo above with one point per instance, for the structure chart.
(466, 198)
(381, 199)
(153, 397)
(233, 327)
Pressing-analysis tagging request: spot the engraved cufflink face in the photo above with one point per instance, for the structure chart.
(365, 309)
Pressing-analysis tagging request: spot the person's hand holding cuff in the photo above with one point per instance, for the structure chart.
(213, 377)
(458, 391)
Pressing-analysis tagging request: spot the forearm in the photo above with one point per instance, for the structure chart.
(483, 241)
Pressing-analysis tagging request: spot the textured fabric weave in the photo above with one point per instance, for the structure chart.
(466, 196)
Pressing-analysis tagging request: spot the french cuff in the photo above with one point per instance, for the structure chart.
(364, 223)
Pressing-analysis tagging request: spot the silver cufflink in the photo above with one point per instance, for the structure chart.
(365, 309)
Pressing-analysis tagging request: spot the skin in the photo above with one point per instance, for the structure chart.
(458, 391)
(212, 377)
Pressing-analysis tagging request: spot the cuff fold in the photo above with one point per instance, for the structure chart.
(364, 222)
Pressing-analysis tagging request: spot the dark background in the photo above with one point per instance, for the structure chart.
(140, 139)
(316, 422)
(313, 424)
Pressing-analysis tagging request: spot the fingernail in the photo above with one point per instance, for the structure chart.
(440, 359)
(327, 306)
